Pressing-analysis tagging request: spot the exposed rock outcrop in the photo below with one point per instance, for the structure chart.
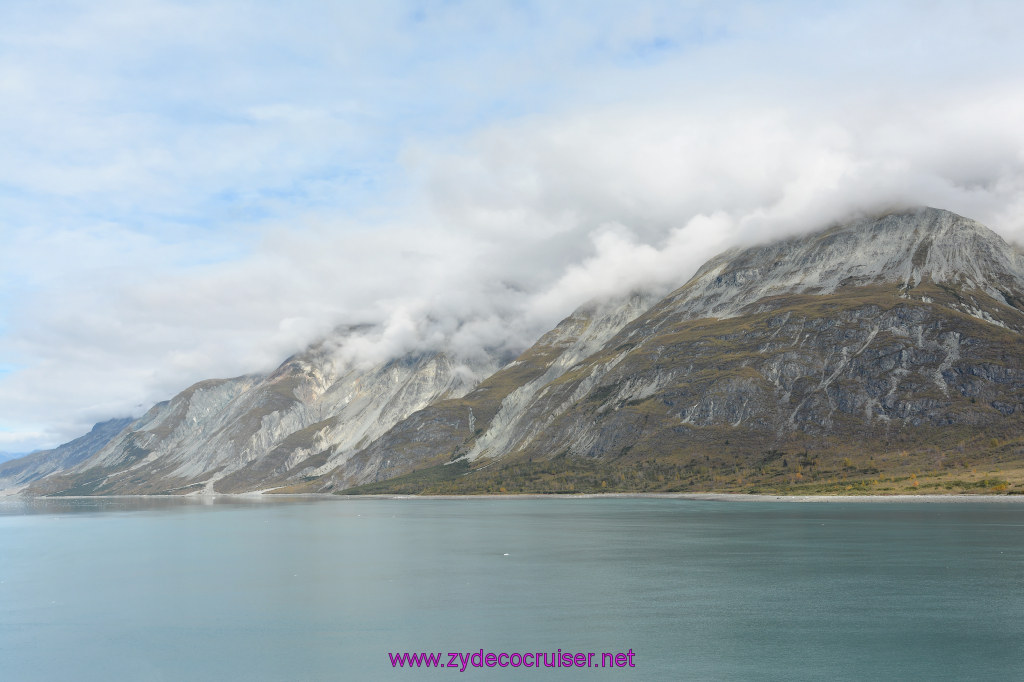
(904, 331)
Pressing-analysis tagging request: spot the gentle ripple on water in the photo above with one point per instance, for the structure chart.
(135, 588)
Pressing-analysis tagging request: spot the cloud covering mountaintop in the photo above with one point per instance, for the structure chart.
(198, 190)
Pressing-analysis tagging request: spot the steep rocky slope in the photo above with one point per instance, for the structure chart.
(883, 347)
(254, 432)
(17, 473)
(905, 249)
(861, 334)
(494, 408)
(901, 334)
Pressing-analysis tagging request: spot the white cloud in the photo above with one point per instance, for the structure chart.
(199, 190)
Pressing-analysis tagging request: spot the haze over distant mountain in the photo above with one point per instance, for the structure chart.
(887, 344)
(27, 468)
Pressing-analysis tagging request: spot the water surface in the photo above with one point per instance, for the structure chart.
(286, 589)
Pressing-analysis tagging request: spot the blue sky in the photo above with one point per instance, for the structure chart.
(198, 189)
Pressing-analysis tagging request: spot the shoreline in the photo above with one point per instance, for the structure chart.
(701, 497)
(715, 497)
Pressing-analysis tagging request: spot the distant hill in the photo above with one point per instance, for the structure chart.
(23, 470)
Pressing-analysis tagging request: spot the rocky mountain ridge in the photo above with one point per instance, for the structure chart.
(17, 473)
(255, 432)
(879, 345)
(898, 334)
(900, 248)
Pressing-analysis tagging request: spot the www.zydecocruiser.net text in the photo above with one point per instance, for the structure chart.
(461, 660)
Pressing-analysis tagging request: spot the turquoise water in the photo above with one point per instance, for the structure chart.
(324, 589)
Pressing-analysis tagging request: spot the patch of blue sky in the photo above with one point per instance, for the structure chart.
(352, 188)
(11, 190)
(666, 45)
(183, 116)
(654, 47)
(244, 205)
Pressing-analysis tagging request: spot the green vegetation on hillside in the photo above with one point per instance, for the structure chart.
(997, 471)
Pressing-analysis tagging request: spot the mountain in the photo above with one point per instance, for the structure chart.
(17, 473)
(886, 346)
(884, 335)
(255, 432)
(458, 428)
(879, 355)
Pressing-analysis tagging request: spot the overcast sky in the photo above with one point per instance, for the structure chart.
(197, 189)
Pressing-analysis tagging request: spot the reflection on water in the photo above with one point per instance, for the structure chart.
(16, 506)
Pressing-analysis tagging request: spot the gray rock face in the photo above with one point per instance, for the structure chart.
(253, 432)
(493, 416)
(902, 248)
(885, 329)
(17, 473)
(904, 330)
(859, 373)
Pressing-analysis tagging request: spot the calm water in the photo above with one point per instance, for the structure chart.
(324, 589)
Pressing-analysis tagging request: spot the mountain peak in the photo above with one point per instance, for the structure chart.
(857, 341)
(902, 248)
